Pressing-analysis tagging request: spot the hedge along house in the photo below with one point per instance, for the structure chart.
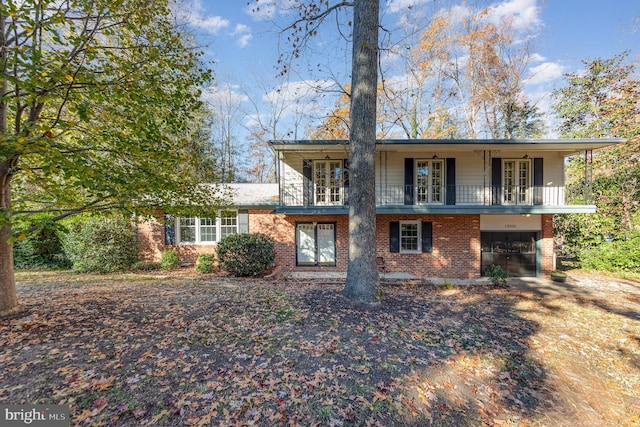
(445, 208)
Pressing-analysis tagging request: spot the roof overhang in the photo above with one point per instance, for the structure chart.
(564, 146)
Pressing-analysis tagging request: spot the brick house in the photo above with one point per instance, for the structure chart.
(445, 208)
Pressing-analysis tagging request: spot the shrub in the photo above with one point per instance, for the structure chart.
(497, 274)
(204, 263)
(145, 266)
(245, 255)
(621, 255)
(100, 244)
(41, 249)
(169, 260)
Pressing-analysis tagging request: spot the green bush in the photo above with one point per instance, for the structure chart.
(497, 274)
(245, 255)
(100, 244)
(41, 249)
(204, 263)
(622, 255)
(169, 260)
(145, 266)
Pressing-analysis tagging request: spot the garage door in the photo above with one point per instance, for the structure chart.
(513, 251)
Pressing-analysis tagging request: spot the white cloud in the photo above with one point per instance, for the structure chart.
(261, 9)
(395, 6)
(455, 15)
(227, 94)
(300, 91)
(243, 32)
(522, 15)
(244, 40)
(546, 72)
(536, 57)
(195, 15)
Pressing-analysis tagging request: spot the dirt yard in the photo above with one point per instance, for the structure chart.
(191, 350)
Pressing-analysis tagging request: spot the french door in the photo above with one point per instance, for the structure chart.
(316, 244)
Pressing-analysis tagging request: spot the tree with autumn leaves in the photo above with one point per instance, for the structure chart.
(99, 108)
(458, 79)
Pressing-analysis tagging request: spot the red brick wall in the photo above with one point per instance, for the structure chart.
(456, 247)
(283, 229)
(548, 256)
(150, 235)
(456, 243)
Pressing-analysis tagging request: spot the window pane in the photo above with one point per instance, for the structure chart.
(207, 230)
(409, 237)
(187, 227)
(228, 225)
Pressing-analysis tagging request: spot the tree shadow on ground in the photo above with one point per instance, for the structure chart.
(453, 357)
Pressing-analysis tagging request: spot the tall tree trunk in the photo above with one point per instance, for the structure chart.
(362, 274)
(8, 296)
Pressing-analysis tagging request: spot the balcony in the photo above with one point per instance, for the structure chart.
(467, 198)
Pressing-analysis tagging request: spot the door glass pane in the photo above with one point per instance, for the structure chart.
(429, 181)
(328, 182)
(326, 244)
(335, 182)
(321, 182)
(523, 182)
(436, 182)
(509, 181)
(422, 181)
(306, 244)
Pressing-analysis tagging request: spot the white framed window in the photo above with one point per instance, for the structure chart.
(516, 178)
(410, 237)
(429, 181)
(328, 179)
(228, 224)
(197, 230)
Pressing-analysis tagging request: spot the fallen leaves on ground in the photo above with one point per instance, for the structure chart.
(180, 350)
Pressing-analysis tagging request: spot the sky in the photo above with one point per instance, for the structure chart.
(243, 43)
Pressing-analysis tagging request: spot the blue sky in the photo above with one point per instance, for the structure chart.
(244, 45)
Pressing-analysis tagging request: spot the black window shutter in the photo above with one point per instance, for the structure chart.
(496, 180)
(394, 236)
(307, 182)
(169, 230)
(345, 180)
(538, 180)
(408, 181)
(427, 237)
(451, 182)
